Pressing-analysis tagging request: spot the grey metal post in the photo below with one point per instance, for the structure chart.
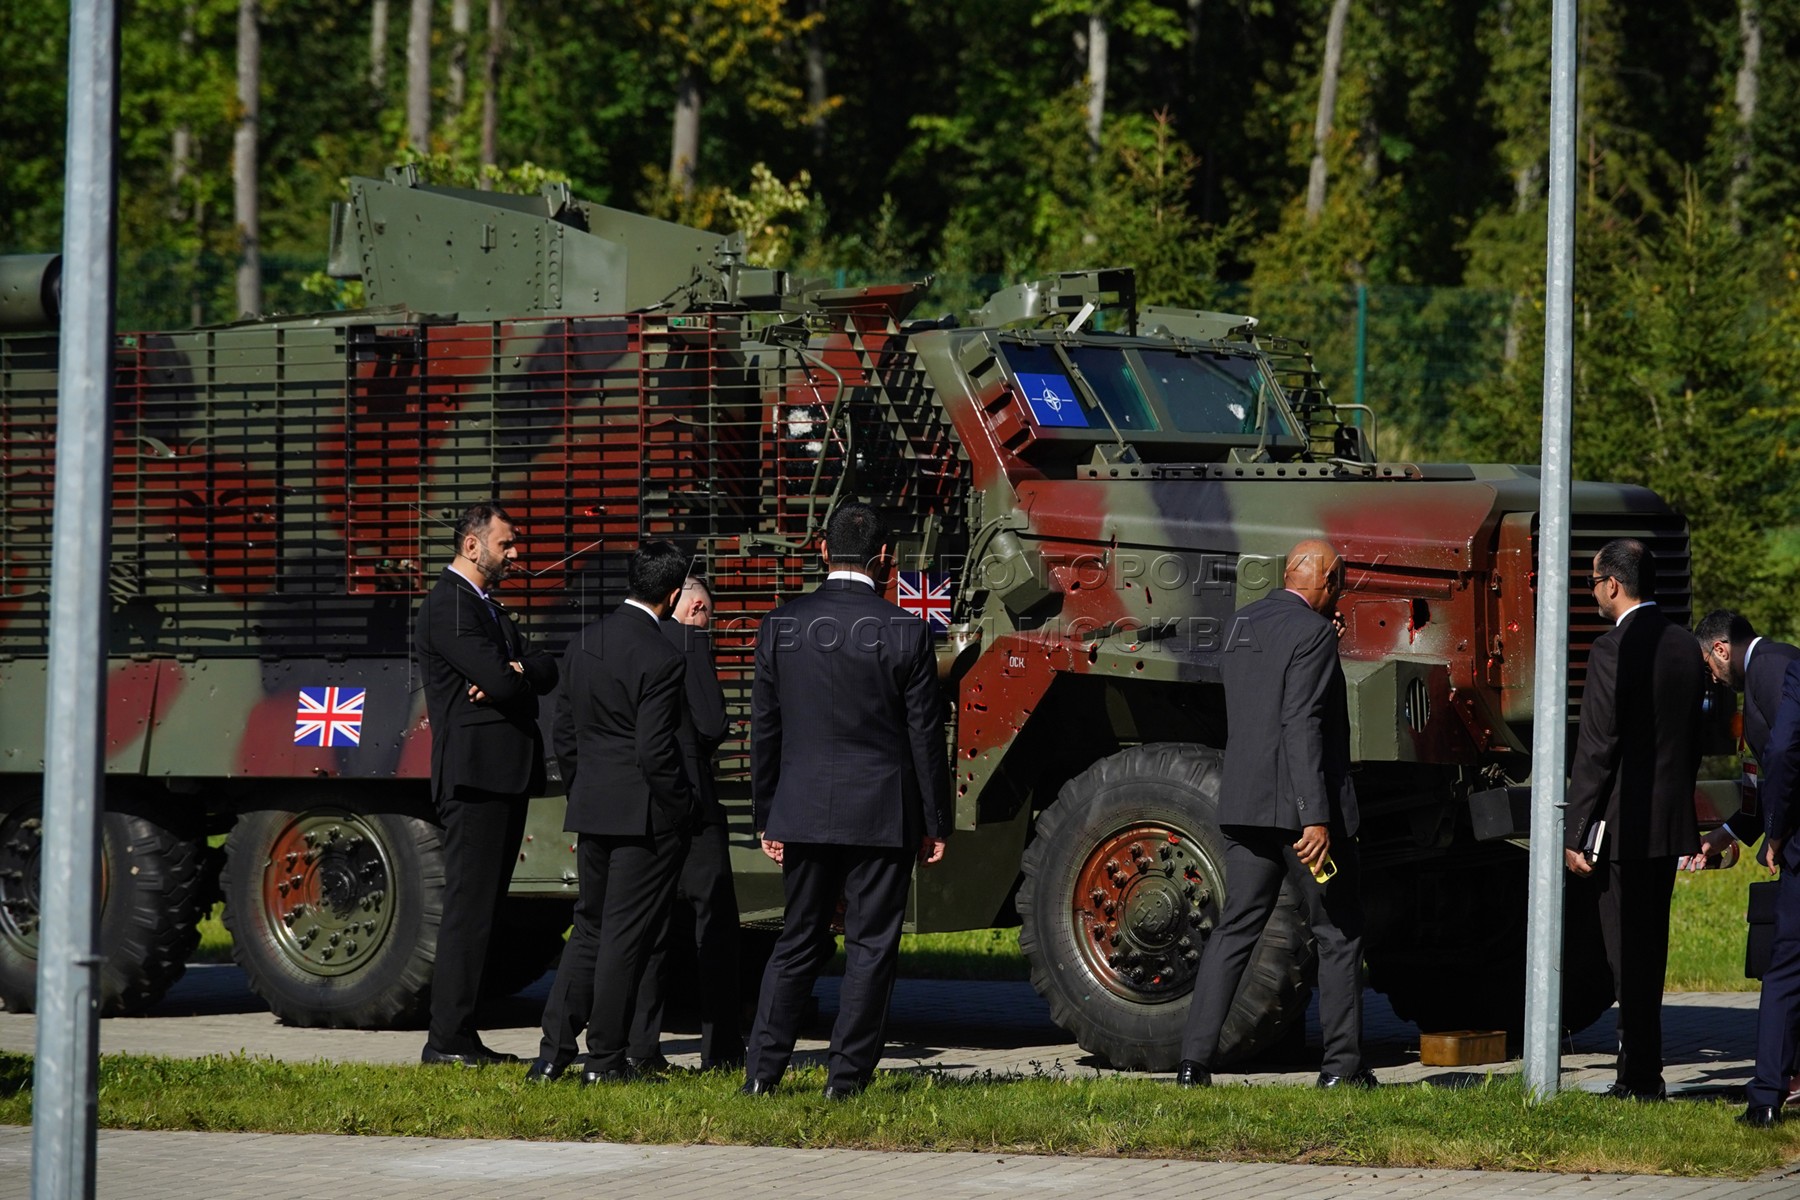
(1549, 725)
(64, 1093)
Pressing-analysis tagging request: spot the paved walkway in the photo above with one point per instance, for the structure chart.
(250, 1166)
(959, 1028)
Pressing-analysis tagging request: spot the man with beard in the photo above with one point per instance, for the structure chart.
(482, 684)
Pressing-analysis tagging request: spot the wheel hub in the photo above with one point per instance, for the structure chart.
(21, 842)
(1143, 904)
(326, 892)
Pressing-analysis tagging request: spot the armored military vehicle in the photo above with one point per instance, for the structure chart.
(1087, 489)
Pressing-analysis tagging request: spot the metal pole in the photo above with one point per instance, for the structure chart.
(1549, 728)
(1362, 344)
(64, 1094)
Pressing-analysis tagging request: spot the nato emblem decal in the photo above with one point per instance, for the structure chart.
(1052, 400)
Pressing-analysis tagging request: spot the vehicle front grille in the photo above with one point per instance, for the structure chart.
(1667, 536)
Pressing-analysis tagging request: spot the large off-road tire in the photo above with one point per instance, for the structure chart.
(152, 869)
(1451, 953)
(334, 910)
(525, 943)
(1124, 880)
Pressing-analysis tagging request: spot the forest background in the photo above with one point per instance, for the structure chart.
(1368, 175)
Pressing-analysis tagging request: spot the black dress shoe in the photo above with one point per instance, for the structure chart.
(481, 1056)
(1620, 1091)
(842, 1091)
(542, 1070)
(1760, 1116)
(1191, 1074)
(655, 1064)
(590, 1078)
(1363, 1078)
(756, 1087)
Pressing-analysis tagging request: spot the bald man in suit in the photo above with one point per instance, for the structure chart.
(1287, 808)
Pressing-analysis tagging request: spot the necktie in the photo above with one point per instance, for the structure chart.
(499, 616)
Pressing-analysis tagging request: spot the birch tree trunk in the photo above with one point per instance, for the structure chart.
(378, 35)
(1096, 77)
(181, 140)
(490, 94)
(243, 159)
(1328, 85)
(684, 145)
(816, 88)
(459, 55)
(418, 77)
(1750, 40)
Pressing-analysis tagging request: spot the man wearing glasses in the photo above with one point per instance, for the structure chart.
(1631, 794)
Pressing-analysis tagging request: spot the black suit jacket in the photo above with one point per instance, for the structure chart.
(461, 638)
(703, 724)
(1637, 752)
(1781, 771)
(616, 732)
(1287, 747)
(1762, 697)
(847, 735)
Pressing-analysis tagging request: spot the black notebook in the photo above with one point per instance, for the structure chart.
(1596, 839)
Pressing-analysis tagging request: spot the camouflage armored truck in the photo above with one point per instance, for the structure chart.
(1086, 491)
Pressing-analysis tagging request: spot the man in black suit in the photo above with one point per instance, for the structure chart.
(704, 891)
(616, 737)
(1637, 754)
(1288, 811)
(1754, 665)
(482, 684)
(1778, 1011)
(850, 786)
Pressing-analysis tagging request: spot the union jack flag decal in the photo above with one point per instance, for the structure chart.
(329, 716)
(927, 594)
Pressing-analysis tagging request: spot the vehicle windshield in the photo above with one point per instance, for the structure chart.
(1153, 391)
(1209, 393)
(1055, 401)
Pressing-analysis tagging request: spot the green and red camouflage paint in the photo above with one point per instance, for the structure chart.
(1091, 505)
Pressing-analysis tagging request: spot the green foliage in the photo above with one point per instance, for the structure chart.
(1140, 18)
(726, 40)
(951, 140)
(762, 211)
(1134, 211)
(454, 170)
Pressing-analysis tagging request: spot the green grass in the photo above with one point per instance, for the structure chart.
(215, 939)
(1707, 931)
(1488, 1126)
(972, 954)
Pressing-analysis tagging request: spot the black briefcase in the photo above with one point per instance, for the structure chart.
(1760, 913)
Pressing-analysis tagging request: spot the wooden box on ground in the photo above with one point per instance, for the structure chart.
(1462, 1047)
